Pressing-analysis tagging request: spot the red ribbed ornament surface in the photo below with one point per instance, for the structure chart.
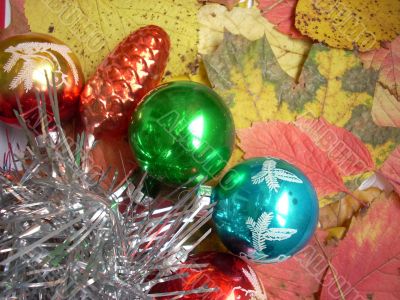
(131, 70)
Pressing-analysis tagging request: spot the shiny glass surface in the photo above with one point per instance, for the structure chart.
(182, 133)
(267, 209)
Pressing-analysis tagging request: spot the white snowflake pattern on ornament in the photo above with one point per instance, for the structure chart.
(270, 174)
(258, 292)
(261, 233)
(37, 58)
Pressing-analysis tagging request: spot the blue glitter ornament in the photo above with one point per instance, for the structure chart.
(267, 209)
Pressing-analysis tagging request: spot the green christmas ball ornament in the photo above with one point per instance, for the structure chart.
(182, 133)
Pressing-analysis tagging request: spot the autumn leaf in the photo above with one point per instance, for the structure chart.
(93, 28)
(348, 24)
(342, 147)
(287, 142)
(391, 169)
(298, 277)
(366, 263)
(387, 61)
(228, 3)
(249, 23)
(385, 109)
(281, 14)
(333, 85)
(340, 213)
(19, 23)
(200, 76)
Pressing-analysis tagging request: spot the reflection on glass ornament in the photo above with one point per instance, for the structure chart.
(182, 133)
(266, 211)
(27, 62)
(230, 277)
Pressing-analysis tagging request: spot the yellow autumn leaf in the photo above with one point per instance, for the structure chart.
(214, 19)
(348, 24)
(249, 77)
(93, 28)
(336, 233)
(199, 76)
(333, 85)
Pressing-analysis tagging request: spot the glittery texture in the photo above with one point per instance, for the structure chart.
(62, 235)
(133, 69)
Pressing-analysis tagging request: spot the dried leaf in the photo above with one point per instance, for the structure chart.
(342, 147)
(228, 3)
(336, 233)
(281, 14)
(298, 277)
(341, 212)
(286, 141)
(366, 263)
(387, 60)
(391, 169)
(93, 28)
(214, 19)
(385, 109)
(348, 24)
(19, 23)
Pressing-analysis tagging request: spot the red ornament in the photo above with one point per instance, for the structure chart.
(24, 61)
(233, 277)
(133, 69)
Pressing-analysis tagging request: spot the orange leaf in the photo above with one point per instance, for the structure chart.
(281, 14)
(298, 277)
(287, 142)
(388, 62)
(346, 150)
(341, 212)
(385, 108)
(391, 169)
(366, 263)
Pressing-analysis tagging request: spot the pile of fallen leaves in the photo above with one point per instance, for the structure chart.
(314, 82)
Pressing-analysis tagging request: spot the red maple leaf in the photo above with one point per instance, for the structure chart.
(366, 263)
(286, 141)
(346, 150)
(300, 276)
(387, 60)
(282, 14)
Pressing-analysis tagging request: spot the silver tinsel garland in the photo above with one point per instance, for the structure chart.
(62, 235)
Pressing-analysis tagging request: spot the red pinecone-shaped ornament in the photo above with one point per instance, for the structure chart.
(132, 69)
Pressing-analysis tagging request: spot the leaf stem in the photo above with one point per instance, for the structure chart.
(342, 296)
